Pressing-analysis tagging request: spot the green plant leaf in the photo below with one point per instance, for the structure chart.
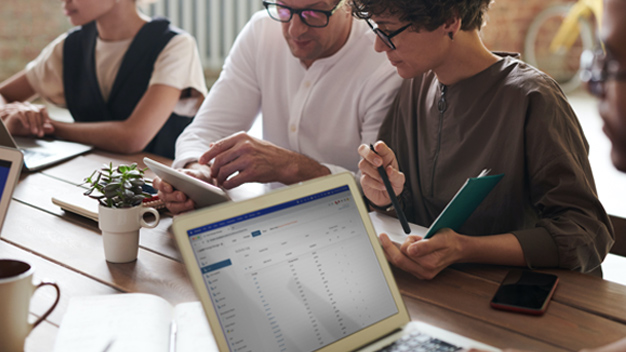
(118, 187)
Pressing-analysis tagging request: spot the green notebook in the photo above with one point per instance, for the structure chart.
(464, 202)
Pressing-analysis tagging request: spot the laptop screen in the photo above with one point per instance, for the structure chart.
(5, 167)
(295, 276)
(10, 167)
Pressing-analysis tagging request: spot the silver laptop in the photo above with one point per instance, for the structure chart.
(300, 269)
(11, 161)
(39, 153)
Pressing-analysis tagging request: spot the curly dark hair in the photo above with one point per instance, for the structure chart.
(425, 14)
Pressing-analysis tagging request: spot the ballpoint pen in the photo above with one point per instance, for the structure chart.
(108, 346)
(392, 196)
(173, 333)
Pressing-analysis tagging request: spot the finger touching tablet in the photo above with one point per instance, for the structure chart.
(202, 193)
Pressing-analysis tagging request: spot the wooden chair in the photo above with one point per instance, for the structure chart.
(619, 226)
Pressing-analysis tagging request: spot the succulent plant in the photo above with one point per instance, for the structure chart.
(119, 187)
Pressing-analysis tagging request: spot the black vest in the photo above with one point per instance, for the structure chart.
(82, 92)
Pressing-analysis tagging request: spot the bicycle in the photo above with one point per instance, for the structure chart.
(557, 37)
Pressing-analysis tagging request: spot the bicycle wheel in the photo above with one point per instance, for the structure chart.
(561, 65)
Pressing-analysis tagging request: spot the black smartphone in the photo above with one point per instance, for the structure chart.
(525, 291)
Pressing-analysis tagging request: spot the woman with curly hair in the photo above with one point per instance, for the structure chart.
(462, 109)
(131, 83)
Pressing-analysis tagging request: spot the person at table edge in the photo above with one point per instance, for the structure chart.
(460, 110)
(130, 82)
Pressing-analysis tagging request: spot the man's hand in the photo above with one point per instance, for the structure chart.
(176, 201)
(240, 158)
(26, 119)
(371, 182)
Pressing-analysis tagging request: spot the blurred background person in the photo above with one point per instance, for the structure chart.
(131, 83)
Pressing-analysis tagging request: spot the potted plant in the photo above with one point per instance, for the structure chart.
(120, 214)
(119, 187)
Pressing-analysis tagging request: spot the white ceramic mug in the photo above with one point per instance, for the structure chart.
(120, 231)
(16, 290)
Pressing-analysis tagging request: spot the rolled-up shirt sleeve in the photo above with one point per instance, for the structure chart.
(573, 230)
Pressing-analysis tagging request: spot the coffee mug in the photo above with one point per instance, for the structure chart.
(120, 231)
(16, 290)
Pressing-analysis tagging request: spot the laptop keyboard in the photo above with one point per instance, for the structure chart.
(420, 342)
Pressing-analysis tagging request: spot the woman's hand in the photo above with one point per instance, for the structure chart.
(424, 258)
(371, 182)
(26, 119)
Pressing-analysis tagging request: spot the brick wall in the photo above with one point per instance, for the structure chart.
(26, 26)
(508, 21)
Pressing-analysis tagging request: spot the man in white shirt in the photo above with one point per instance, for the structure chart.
(322, 92)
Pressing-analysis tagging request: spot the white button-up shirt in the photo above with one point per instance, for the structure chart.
(324, 112)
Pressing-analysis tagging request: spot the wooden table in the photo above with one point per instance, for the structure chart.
(586, 311)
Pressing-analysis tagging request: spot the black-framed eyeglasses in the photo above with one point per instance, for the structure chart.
(310, 17)
(386, 38)
(596, 69)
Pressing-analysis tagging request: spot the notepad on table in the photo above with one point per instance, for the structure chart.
(384, 223)
(78, 203)
(133, 322)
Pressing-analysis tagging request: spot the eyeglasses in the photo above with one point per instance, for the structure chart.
(310, 17)
(596, 69)
(386, 38)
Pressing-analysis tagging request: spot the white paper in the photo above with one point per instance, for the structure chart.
(132, 322)
(392, 227)
(193, 331)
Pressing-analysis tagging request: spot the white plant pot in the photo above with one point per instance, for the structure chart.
(120, 231)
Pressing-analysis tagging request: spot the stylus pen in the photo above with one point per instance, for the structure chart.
(392, 196)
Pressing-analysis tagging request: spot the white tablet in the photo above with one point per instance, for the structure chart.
(202, 193)
(11, 161)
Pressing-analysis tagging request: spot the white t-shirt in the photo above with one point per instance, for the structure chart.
(324, 112)
(178, 65)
